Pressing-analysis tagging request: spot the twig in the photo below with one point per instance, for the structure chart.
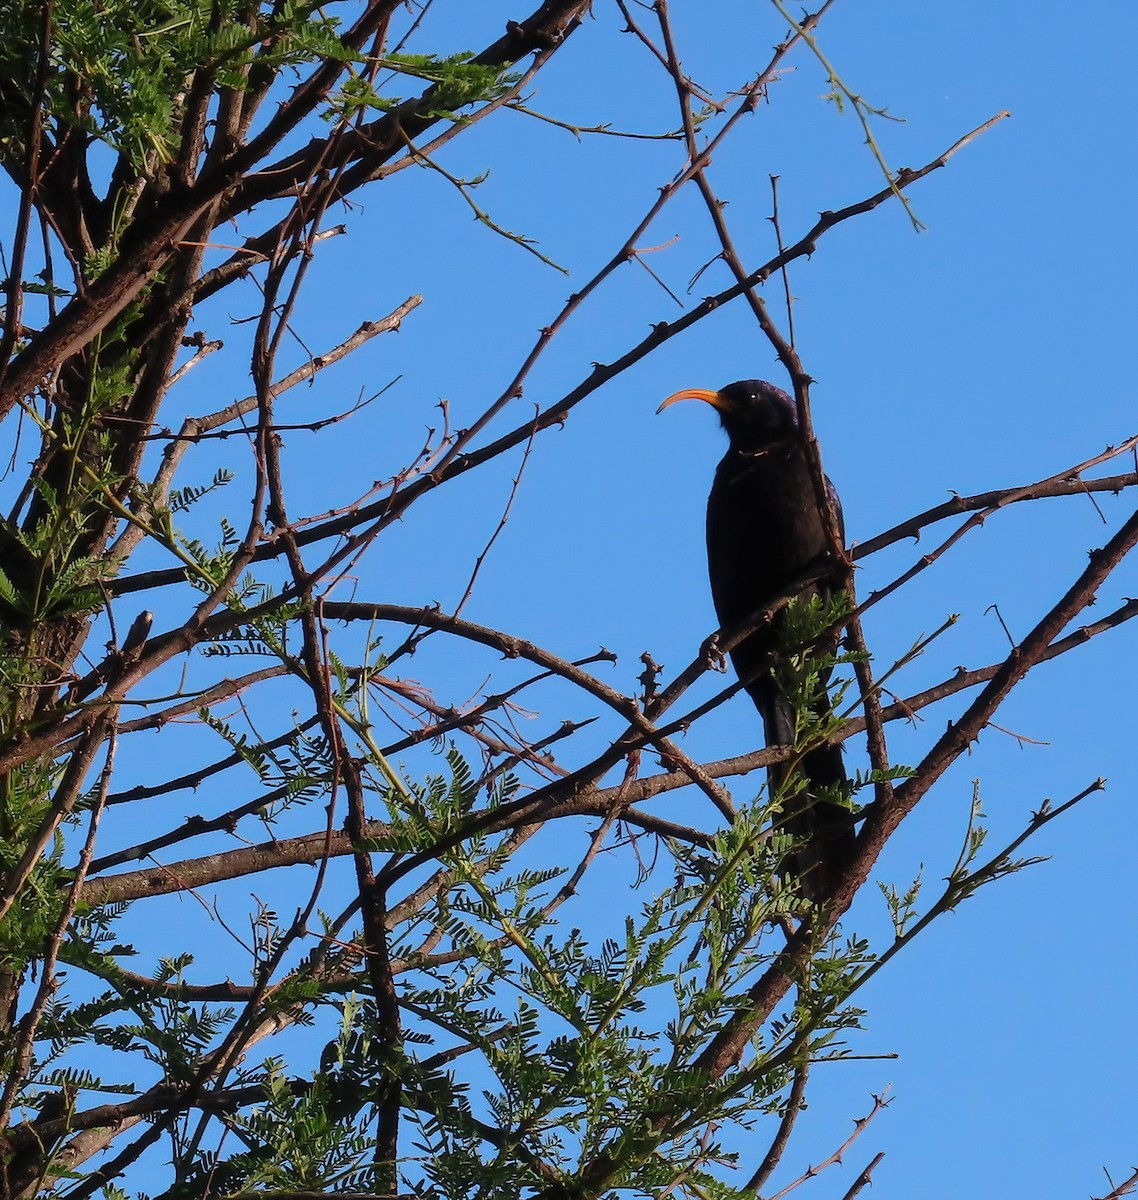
(784, 272)
(781, 1140)
(879, 1102)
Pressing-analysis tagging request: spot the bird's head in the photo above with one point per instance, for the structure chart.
(756, 414)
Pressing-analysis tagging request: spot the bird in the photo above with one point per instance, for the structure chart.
(765, 531)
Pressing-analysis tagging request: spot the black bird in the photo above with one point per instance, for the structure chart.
(764, 531)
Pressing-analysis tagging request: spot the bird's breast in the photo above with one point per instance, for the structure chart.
(764, 529)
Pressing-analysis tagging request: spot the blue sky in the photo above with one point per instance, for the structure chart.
(994, 348)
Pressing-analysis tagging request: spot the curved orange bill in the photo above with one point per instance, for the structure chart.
(712, 398)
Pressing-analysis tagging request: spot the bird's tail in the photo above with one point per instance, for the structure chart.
(821, 829)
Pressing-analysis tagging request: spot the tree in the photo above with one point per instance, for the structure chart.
(403, 1009)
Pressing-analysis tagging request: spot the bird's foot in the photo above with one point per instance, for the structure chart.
(713, 655)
